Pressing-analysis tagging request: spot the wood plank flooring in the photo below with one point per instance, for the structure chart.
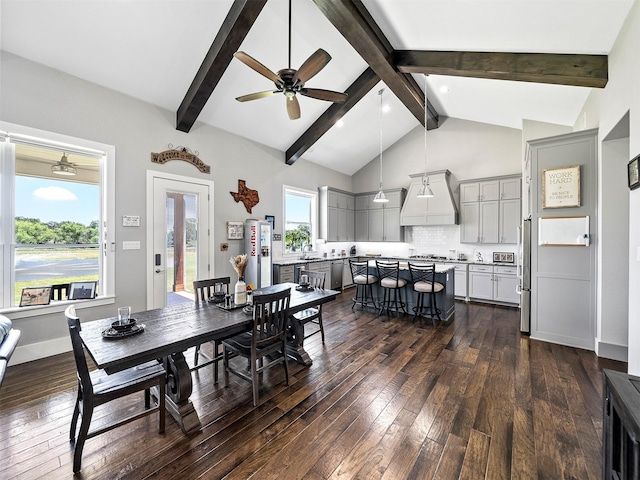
(383, 399)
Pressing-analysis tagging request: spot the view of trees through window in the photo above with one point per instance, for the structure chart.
(298, 220)
(57, 226)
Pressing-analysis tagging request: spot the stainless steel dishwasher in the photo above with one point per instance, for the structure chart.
(336, 274)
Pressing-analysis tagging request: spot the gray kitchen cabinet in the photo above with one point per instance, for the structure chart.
(382, 222)
(283, 273)
(490, 210)
(481, 282)
(336, 215)
(460, 276)
(322, 267)
(505, 284)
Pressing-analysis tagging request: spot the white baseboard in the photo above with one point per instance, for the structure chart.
(36, 351)
(612, 351)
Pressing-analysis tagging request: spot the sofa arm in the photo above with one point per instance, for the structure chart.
(9, 344)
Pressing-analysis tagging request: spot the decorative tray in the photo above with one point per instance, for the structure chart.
(232, 307)
(113, 333)
(304, 288)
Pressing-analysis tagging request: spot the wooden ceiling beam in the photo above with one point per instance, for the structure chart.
(356, 91)
(239, 20)
(356, 25)
(560, 69)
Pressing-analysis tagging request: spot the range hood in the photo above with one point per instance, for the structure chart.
(440, 209)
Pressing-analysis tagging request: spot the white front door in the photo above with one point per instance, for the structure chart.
(179, 213)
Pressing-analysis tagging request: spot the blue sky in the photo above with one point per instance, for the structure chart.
(54, 200)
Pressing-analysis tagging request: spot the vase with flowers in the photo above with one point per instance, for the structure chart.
(239, 264)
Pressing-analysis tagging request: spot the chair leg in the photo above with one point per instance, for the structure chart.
(147, 399)
(162, 406)
(321, 329)
(76, 414)
(255, 379)
(418, 308)
(284, 360)
(216, 353)
(87, 413)
(225, 365)
(196, 355)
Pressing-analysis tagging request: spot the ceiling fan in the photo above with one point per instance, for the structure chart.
(290, 81)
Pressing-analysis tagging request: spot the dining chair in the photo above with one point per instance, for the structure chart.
(392, 286)
(312, 314)
(423, 277)
(97, 388)
(204, 290)
(364, 282)
(60, 291)
(266, 341)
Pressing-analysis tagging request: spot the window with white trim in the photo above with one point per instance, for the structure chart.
(53, 213)
(300, 219)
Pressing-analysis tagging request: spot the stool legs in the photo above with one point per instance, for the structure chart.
(433, 307)
(364, 296)
(388, 303)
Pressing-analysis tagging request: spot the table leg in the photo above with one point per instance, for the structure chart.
(295, 350)
(179, 388)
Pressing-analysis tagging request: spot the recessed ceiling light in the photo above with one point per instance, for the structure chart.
(386, 108)
(339, 123)
(444, 89)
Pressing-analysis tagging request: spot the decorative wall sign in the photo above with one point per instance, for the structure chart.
(181, 153)
(632, 172)
(561, 187)
(235, 230)
(249, 197)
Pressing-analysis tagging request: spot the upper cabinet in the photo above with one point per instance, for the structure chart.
(379, 222)
(336, 215)
(490, 210)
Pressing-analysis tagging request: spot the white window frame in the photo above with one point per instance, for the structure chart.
(313, 195)
(10, 134)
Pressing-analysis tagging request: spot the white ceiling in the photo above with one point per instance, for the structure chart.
(151, 50)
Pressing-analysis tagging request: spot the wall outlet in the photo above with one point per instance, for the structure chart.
(224, 247)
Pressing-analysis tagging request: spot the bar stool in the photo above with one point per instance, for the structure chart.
(392, 285)
(423, 278)
(363, 282)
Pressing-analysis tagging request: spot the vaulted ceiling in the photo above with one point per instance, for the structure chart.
(501, 62)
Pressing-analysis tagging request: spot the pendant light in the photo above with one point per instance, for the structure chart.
(380, 196)
(425, 190)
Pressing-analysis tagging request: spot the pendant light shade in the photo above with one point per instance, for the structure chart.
(425, 190)
(380, 196)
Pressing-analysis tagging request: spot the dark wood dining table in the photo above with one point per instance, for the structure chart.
(171, 330)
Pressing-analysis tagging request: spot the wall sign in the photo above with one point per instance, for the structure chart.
(246, 195)
(235, 230)
(181, 153)
(561, 187)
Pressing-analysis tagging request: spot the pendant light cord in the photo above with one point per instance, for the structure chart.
(380, 93)
(425, 129)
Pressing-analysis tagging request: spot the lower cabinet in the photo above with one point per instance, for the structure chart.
(322, 267)
(347, 280)
(494, 283)
(460, 276)
(283, 273)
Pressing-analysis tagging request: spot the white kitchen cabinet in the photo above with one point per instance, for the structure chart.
(469, 222)
(469, 192)
(481, 282)
(376, 225)
(505, 284)
(460, 275)
(510, 188)
(479, 222)
(363, 201)
(391, 225)
(489, 215)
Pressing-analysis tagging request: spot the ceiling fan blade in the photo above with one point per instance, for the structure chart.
(256, 96)
(293, 108)
(320, 94)
(311, 66)
(251, 62)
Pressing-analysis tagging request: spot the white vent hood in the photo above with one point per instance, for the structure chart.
(438, 210)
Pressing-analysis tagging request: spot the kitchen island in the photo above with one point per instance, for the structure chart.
(445, 300)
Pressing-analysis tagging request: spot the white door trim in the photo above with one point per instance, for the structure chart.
(151, 176)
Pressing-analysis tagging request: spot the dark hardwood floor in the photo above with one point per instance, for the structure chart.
(393, 399)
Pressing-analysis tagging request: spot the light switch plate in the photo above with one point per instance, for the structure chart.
(130, 245)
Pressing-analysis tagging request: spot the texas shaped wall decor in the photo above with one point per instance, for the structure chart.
(249, 197)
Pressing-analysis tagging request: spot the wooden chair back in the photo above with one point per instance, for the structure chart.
(78, 350)
(388, 270)
(316, 279)
(60, 291)
(270, 317)
(204, 289)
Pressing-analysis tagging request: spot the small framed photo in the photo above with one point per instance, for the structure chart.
(272, 220)
(561, 187)
(82, 290)
(35, 296)
(632, 172)
(235, 230)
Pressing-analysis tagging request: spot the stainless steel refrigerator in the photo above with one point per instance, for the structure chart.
(257, 239)
(524, 275)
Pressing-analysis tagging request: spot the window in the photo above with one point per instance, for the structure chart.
(299, 219)
(53, 203)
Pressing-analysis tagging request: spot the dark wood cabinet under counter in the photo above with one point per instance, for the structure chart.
(621, 426)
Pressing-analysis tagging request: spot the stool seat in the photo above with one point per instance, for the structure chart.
(365, 279)
(392, 286)
(426, 287)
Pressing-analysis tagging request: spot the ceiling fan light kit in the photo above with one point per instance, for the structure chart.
(63, 167)
(380, 196)
(289, 81)
(425, 190)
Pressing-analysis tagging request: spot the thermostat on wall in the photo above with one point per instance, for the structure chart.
(130, 220)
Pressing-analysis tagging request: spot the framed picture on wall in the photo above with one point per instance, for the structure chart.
(561, 187)
(235, 230)
(632, 172)
(272, 220)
